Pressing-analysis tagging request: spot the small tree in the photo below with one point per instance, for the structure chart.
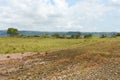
(103, 36)
(73, 36)
(64, 36)
(56, 35)
(115, 35)
(118, 34)
(45, 36)
(76, 36)
(12, 32)
(88, 36)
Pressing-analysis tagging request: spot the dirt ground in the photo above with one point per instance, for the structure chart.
(36, 66)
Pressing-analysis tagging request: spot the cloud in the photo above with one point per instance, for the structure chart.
(51, 15)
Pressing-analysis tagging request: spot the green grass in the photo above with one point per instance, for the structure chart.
(14, 45)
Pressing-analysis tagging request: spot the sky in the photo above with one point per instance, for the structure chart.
(61, 15)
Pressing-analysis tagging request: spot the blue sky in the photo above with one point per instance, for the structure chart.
(61, 15)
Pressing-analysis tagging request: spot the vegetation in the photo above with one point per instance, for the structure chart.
(88, 57)
(88, 36)
(38, 44)
(118, 34)
(76, 36)
(33, 44)
(56, 35)
(103, 36)
(12, 32)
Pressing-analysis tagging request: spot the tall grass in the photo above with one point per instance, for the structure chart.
(13, 45)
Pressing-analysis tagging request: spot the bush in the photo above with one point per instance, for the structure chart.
(88, 36)
(76, 36)
(118, 34)
(35, 36)
(103, 36)
(56, 35)
(113, 35)
(64, 36)
(45, 36)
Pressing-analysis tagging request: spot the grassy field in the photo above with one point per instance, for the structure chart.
(14, 45)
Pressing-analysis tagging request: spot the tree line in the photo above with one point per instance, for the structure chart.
(13, 32)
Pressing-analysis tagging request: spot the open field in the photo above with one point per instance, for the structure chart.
(13, 45)
(82, 59)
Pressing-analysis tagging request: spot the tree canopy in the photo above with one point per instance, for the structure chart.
(12, 32)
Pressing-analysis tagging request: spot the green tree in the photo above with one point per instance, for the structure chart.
(12, 32)
(73, 36)
(88, 36)
(45, 36)
(118, 34)
(64, 36)
(103, 36)
(76, 36)
(56, 35)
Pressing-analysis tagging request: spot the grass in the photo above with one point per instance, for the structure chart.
(14, 45)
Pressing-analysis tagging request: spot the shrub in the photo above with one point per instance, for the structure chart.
(88, 36)
(118, 34)
(103, 36)
(56, 35)
(76, 36)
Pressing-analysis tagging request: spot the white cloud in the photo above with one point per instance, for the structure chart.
(51, 16)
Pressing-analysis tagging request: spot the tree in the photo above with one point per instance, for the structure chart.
(88, 36)
(118, 34)
(12, 32)
(115, 35)
(103, 36)
(56, 35)
(64, 36)
(76, 36)
(45, 36)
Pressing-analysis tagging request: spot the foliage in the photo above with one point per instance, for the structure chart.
(103, 36)
(64, 36)
(118, 34)
(56, 35)
(76, 36)
(45, 36)
(12, 32)
(88, 36)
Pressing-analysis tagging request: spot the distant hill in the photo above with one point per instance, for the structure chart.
(4, 33)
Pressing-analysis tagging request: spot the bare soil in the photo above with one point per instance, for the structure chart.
(36, 66)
